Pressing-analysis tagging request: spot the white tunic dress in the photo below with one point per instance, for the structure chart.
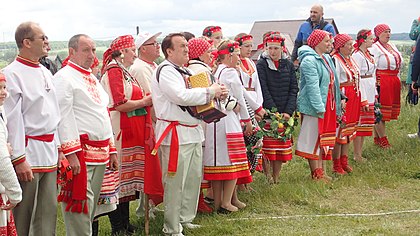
(225, 152)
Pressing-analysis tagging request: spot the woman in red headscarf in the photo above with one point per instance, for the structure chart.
(366, 64)
(319, 102)
(132, 125)
(349, 77)
(279, 89)
(388, 63)
(200, 57)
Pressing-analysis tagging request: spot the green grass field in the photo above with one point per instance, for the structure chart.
(384, 192)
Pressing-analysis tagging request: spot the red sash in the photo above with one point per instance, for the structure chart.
(74, 192)
(173, 155)
(44, 138)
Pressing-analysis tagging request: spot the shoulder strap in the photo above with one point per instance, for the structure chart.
(181, 71)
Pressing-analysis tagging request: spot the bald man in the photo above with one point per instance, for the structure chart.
(315, 21)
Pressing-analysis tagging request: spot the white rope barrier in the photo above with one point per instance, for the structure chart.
(327, 215)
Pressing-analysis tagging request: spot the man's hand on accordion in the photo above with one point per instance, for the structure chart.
(219, 91)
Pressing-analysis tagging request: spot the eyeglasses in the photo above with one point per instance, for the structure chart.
(154, 44)
(43, 38)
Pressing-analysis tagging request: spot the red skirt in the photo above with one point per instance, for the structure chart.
(389, 93)
(352, 114)
(366, 122)
(276, 149)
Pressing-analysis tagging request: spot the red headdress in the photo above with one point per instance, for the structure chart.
(316, 37)
(265, 36)
(211, 30)
(361, 39)
(244, 39)
(340, 40)
(197, 47)
(379, 29)
(231, 47)
(126, 41)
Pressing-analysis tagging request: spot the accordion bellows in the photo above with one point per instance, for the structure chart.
(209, 112)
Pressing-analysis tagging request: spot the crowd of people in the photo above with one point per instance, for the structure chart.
(136, 133)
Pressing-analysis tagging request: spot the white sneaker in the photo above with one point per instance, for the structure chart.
(415, 135)
(191, 226)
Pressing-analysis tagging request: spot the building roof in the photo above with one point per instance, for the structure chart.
(287, 28)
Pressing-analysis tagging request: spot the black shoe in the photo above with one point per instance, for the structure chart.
(223, 211)
(208, 200)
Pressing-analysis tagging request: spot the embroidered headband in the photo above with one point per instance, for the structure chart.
(246, 39)
(265, 36)
(231, 47)
(209, 31)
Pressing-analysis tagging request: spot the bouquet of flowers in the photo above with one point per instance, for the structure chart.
(255, 146)
(276, 126)
(378, 113)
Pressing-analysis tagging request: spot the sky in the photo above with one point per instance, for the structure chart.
(106, 19)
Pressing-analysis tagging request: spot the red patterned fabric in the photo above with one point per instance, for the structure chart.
(231, 47)
(212, 30)
(316, 37)
(352, 113)
(246, 39)
(379, 29)
(274, 39)
(276, 149)
(7, 224)
(340, 40)
(197, 47)
(115, 77)
(389, 94)
(126, 41)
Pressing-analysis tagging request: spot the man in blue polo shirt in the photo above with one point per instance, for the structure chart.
(315, 21)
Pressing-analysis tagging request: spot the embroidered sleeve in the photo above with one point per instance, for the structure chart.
(112, 148)
(13, 108)
(116, 85)
(70, 147)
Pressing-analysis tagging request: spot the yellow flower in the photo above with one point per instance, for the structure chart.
(281, 125)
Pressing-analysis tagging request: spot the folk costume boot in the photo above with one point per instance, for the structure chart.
(337, 168)
(115, 219)
(318, 174)
(125, 218)
(202, 205)
(384, 143)
(345, 164)
(377, 141)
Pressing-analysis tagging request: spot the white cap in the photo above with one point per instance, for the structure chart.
(143, 37)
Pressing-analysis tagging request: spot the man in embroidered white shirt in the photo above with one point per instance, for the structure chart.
(85, 133)
(33, 115)
(181, 160)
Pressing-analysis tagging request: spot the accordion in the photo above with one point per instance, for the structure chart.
(211, 112)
